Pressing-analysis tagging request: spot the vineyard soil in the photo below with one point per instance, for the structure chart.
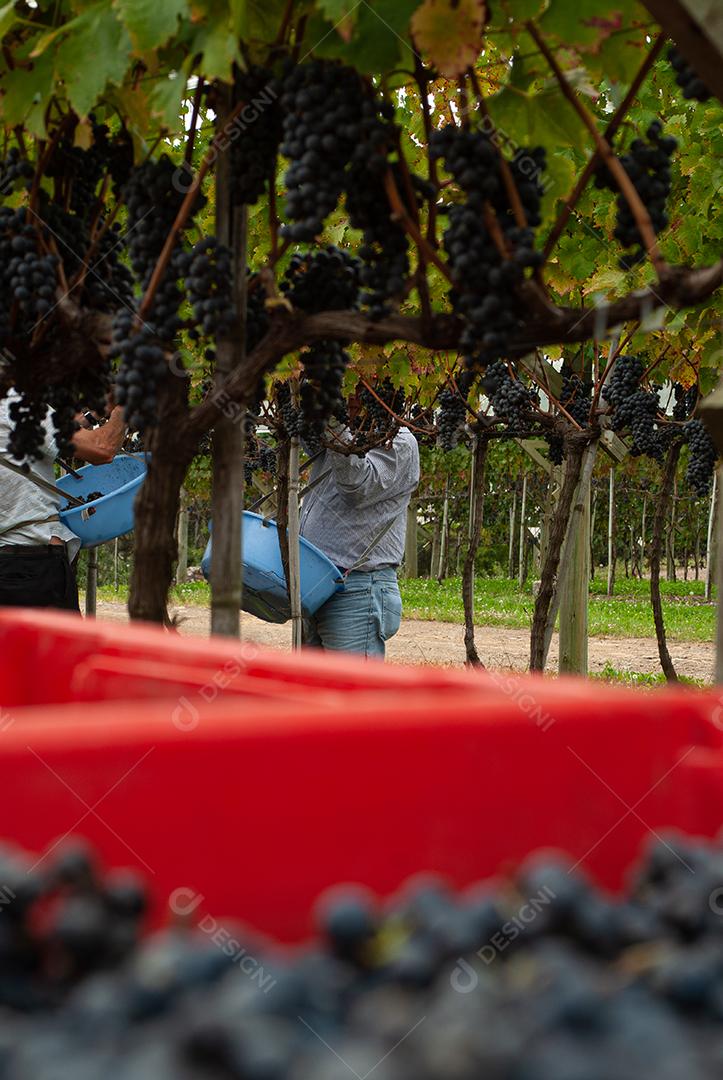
(429, 642)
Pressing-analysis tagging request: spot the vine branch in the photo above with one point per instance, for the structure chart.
(627, 187)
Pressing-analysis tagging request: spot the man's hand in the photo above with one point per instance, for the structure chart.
(99, 446)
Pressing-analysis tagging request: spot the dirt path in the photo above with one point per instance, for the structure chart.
(441, 643)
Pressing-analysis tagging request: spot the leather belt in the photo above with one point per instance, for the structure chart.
(32, 549)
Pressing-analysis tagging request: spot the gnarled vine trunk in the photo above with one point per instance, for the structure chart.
(171, 452)
(656, 550)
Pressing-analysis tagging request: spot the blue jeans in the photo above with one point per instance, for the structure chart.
(359, 618)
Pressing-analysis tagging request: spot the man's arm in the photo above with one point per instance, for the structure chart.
(381, 473)
(99, 446)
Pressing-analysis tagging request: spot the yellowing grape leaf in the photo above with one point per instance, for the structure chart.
(449, 34)
(83, 136)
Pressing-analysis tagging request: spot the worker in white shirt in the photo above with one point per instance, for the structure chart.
(36, 550)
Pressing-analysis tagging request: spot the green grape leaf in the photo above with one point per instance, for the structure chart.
(216, 41)
(588, 22)
(150, 23)
(97, 34)
(7, 17)
(449, 33)
(516, 11)
(165, 100)
(379, 44)
(342, 15)
(256, 21)
(25, 95)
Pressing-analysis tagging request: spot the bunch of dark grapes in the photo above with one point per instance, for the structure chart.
(257, 317)
(648, 166)
(584, 985)
(290, 416)
(170, 294)
(261, 459)
(385, 244)
(486, 281)
(635, 409)
(620, 387)
(324, 364)
(374, 417)
(511, 400)
(576, 395)
(209, 281)
(30, 277)
(686, 77)
(77, 171)
(702, 457)
(15, 171)
(142, 366)
(153, 198)
(256, 134)
(685, 401)
(555, 448)
(27, 438)
(107, 283)
(331, 118)
(91, 924)
(326, 280)
(451, 419)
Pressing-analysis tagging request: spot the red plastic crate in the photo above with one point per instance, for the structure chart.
(48, 657)
(253, 810)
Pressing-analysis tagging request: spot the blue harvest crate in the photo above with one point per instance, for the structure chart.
(264, 585)
(112, 515)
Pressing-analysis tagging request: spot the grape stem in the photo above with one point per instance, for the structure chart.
(655, 363)
(572, 200)
(183, 213)
(493, 228)
(507, 178)
(420, 76)
(421, 276)
(536, 379)
(404, 423)
(627, 187)
(409, 226)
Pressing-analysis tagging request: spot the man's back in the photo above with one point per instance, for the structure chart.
(26, 510)
(359, 497)
(357, 516)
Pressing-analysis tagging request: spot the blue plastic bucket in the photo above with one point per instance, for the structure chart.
(264, 585)
(112, 515)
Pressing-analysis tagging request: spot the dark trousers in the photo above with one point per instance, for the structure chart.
(38, 577)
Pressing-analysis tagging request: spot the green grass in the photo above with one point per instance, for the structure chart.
(499, 602)
(644, 679)
(193, 592)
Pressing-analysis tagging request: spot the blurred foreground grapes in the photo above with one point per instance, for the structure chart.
(543, 978)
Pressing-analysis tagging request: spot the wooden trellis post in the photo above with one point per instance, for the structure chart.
(411, 565)
(575, 583)
(611, 534)
(709, 560)
(711, 412)
(182, 564)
